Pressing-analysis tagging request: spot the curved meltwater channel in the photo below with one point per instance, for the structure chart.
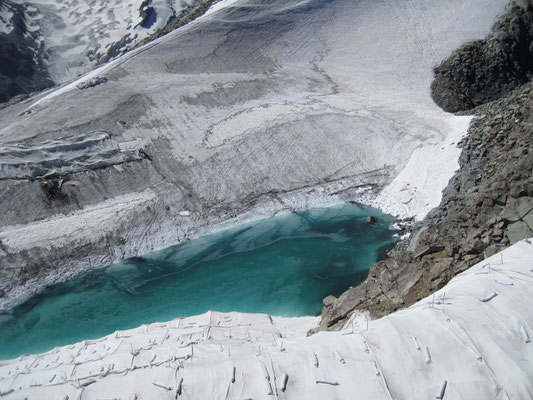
(282, 266)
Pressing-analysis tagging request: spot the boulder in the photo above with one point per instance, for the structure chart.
(518, 231)
(485, 70)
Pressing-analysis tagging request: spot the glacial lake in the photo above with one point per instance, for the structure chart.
(283, 266)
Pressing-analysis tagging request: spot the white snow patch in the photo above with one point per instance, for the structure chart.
(221, 5)
(5, 20)
(418, 187)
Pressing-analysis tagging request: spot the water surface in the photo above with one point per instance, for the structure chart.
(282, 266)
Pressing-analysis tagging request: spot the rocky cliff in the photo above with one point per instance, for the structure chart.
(22, 68)
(488, 204)
(485, 70)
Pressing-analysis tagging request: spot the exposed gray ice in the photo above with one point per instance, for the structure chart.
(63, 156)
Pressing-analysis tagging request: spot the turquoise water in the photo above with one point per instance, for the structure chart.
(282, 266)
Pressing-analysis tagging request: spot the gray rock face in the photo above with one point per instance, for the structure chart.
(487, 205)
(484, 70)
(22, 69)
(480, 214)
(185, 16)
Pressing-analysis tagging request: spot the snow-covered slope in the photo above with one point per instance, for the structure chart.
(471, 340)
(254, 108)
(68, 38)
(79, 35)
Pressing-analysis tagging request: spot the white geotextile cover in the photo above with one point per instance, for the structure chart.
(470, 340)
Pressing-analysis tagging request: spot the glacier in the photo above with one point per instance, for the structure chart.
(254, 108)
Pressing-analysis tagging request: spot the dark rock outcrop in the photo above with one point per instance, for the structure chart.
(487, 205)
(147, 13)
(21, 68)
(484, 70)
(371, 219)
(185, 16)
